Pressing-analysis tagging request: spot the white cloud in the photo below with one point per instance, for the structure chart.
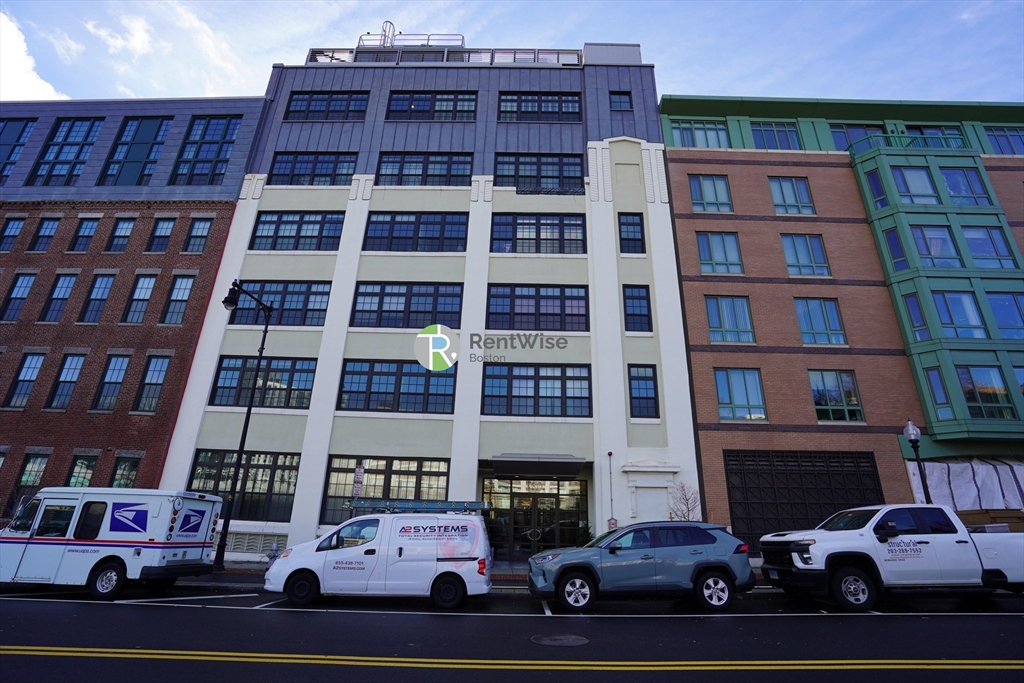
(125, 91)
(224, 76)
(67, 49)
(20, 80)
(136, 40)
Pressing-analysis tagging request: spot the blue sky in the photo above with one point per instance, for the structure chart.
(934, 50)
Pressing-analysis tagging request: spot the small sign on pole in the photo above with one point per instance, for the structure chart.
(357, 482)
(612, 523)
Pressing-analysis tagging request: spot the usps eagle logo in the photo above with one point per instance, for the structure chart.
(129, 517)
(191, 521)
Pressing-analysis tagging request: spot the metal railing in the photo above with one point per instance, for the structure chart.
(433, 54)
(890, 141)
(412, 40)
(550, 190)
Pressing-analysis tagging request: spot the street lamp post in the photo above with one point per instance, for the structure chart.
(913, 435)
(231, 302)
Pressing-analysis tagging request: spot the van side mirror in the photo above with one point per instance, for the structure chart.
(886, 530)
(614, 546)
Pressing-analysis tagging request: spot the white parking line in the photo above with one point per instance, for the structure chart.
(25, 595)
(194, 597)
(547, 610)
(268, 604)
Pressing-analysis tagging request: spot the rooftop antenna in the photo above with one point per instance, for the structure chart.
(387, 30)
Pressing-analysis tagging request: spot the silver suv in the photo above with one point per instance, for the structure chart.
(654, 559)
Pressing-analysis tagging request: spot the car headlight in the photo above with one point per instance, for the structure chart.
(543, 559)
(286, 553)
(803, 550)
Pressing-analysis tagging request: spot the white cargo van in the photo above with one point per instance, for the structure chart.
(444, 556)
(102, 537)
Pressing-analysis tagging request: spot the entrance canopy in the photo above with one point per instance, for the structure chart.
(537, 465)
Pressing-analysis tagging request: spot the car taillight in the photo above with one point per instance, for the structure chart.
(741, 548)
(481, 566)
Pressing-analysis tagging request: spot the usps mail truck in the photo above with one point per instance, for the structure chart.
(103, 537)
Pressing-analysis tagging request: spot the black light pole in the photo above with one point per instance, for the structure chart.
(231, 302)
(913, 435)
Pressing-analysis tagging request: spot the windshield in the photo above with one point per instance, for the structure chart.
(848, 519)
(602, 538)
(23, 520)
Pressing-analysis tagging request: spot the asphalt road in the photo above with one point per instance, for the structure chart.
(189, 634)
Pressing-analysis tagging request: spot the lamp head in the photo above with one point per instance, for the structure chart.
(912, 432)
(231, 300)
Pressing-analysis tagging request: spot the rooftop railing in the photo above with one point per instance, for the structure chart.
(434, 54)
(906, 142)
(412, 40)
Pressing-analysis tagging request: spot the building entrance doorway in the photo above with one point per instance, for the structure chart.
(531, 516)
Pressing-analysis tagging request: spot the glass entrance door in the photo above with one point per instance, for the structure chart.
(534, 524)
(531, 516)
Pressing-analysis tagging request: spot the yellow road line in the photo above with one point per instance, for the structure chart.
(528, 664)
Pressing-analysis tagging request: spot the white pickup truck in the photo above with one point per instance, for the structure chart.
(856, 554)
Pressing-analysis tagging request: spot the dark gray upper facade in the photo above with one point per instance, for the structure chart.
(114, 113)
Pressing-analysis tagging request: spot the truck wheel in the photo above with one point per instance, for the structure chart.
(713, 591)
(302, 589)
(576, 592)
(106, 581)
(854, 590)
(448, 592)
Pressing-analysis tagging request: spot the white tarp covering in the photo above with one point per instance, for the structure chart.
(972, 483)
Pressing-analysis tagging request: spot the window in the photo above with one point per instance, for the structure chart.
(621, 101)
(266, 482)
(533, 174)
(413, 305)
(791, 195)
(161, 235)
(965, 187)
(425, 169)
(712, 134)
(989, 248)
(514, 307)
(1006, 140)
(937, 520)
(196, 241)
(917, 322)
(60, 397)
(386, 478)
(82, 468)
(1018, 371)
(125, 471)
(330, 106)
(904, 518)
(739, 394)
(396, 386)
(892, 241)
(133, 157)
(93, 307)
(66, 152)
(819, 321)
(22, 385)
(54, 308)
(297, 231)
(152, 384)
(637, 303)
(174, 312)
(280, 382)
(16, 297)
(110, 387)
(915, 185)
(1009, 312)
(83, 236)
(958, 313)
(416, 232)
(805, 255)
(537, 234)
(985, 393)
(643, 391)
(10, 234)
(295, 303)
(942, 407)
(719, 252)
(877, 191)
(91, 520)
(44, 234)
(136, 309)
(204, 154)
(835, 396)
(729, 319)
(119, 238)
(312, 169)
(32, 471)
(537, 107)
(936, 136)
(775, 135)
(936, 247)
(710, 193)
(430, 106)
(843, 135)
(13, 136)
(631, 234)
(537, 390)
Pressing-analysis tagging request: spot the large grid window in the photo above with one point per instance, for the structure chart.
(432, 106)
(44, 234)
(280, 382)
(66, 152)
(989, 248)
(161, 236)
(295, 303)
(637, 303)
(937, 136)
(707, 134)
(959, 315)
(22, 385)
(70, 369)
(819, 321)
(119, 237)
(125, 472)
(943, 408)
(555, 174)
(537, 390)
(985, 393)
(835, 396)
(82, 468)
(791, 195)
(13, 136)
(719, 252)
(329, 106)
(83, 236)
(12, 228)
(266, 482)
(631, 234)
(936, 247)
(552, 107)
(710, 193)
(195, 243)
(896, 253)
(425, 169)
(643, 391)
(917, 321)
(204, 154)
(729, 319)
(877, 191)
(177, 300)
(416, 232)
(407, 304)
(965, 187)
(133, 157)
(152, 384)
(16, 297)
(296, 168)
(805, 255)
(1009, 312)
(135, 311)
(739, 394)
(110, 387)
(775, 135)
(1006, 140)
(383, 478)
(93, 308)
(396, 386)
(58, 300)
(297, 231)
(537, 234)
(915, 185)
(32, 471)
(525, 307)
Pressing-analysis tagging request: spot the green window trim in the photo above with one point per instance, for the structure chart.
(739, 394)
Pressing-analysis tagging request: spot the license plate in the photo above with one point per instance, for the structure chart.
(772, 574)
